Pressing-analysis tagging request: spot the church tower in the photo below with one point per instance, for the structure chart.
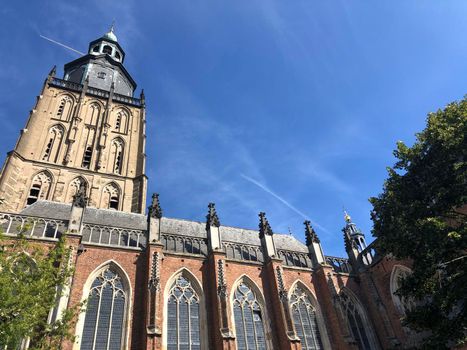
(85, 131)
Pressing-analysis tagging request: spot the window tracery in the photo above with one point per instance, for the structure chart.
(183, 316)
(64, 108)
(121, 119)
(40, 187)
(52, 148)
(74, 187)
(89, 136)
(111, 197)
(305, 320)
(402, 304)
(116, 156)
(355, 319)
(248, 318)
(104, 323)
(93, 114)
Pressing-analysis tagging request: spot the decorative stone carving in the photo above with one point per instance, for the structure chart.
(280, 284)
(155, 210)
(155, 280)
(212, 219)
(79, 199)
(310, 234)
(264, 227)
(221, 283)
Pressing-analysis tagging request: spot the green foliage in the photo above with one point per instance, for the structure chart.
(421, 216)
(29, 278)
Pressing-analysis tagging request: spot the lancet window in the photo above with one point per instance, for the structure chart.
(248, 316)
(92, 115)
(305, 320)
(64, 108)
(183, 316)
(40, 188)
(121, 121)
(53, 145)
(111, 197)
(89, 136)
(116, 156)
(106, 308)
(402, 304)
(74, 187)
(356, 321)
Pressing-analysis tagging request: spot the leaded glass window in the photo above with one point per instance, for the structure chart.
(356, 323)
(248, 317)
(105, 313)
(304, 319)
(183, 326)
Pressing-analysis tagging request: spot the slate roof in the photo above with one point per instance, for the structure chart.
(110, 217)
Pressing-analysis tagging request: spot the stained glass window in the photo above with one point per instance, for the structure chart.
(105, 311)
(248, 317)
(355, 319)
(305, 322)
(183, 327)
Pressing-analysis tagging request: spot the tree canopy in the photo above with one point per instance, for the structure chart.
(30, 280)
(421, 216)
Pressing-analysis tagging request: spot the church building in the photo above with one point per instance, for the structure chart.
(154, 282)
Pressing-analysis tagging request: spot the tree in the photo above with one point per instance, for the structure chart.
(421, 216)
(32, 278)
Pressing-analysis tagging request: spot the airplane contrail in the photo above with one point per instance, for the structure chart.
(283, 201)
(62, 45)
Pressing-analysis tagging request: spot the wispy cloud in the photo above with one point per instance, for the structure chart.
(283, 201)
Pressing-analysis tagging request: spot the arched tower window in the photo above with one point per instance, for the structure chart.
(40, 188)
(106, 309)
(305, 320)
(116, 156)
(357, 322)
(53, 145)
(74, 187)
(89, 136)
(111, 197)
(399, 273)
(92, 114)
(183, 316)
(107, 49)
(248, 316)
(64, 108)
(121, 120)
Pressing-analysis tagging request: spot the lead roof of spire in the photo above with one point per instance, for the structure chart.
(212, 219)
(264, 227)
(110, 34)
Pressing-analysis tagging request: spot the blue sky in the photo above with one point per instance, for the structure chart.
(287, 107)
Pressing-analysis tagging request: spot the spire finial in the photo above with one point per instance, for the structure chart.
(112, 26)
(212, 219)
(347, 217)
(264, 227)
(310, 234)
(155, 210)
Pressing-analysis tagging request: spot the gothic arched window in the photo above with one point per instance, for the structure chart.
(40, 188)
(357, 322)
(64, 108)
(248, 316)
(111, 197)
(74, 187)
(305, 320)
(116, 156)
(403, 304)
(183, 316)
(121, 119)
(106, 308)
(92, 115)
(89, 136)
(54, 141)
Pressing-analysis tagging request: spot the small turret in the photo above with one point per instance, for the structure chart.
(314, 247)
(212, 228)
(154, 219)
(354, 233)
(266, 236)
